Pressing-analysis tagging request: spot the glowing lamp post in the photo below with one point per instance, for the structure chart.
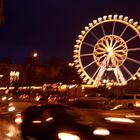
(35, 54)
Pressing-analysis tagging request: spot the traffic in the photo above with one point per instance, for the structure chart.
(78, 118)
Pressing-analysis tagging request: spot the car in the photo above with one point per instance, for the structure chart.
(63, 122)
(56, 122)
(89, 102)
(130, 101)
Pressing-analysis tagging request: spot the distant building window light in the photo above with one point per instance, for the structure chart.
(14, 76)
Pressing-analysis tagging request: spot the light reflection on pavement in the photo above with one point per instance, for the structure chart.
(9, 130)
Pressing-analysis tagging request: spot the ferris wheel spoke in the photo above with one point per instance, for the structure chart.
(103, 45)
(87, 54)
(127, 70)
(100, 53)
(100, 71)
(113, 29)
(133, 60)
(104, 59)
(99, 74)
(107, 43)
(101, 57)
(116, 60)
(101, 49)
(89, 64)
(111, 43)
(119, 75)
(118, 55)
(116, 75)
(132, 38)
(134, 49)
(103, 30)
(119, 51)
(88, 44)
(114, 44)
(123, 31)
(118, 47)
(95, 36)
(95, 73)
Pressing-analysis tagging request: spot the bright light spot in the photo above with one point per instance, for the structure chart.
(134, 78)
(122, 120)
(37, 121)
(86, 95)
(35, 54)
(71, 86)
(10, 98)
(110, 53)
(105, 80)
(10, 134)
(71, 64)
(109, 49)
(18, 119)
(67, 136)
(4, 98)
(138, 74)
(37, 98)
(137, 103)
(101, 131)
(11, 131)
(11, 104)
(132, 116)
(12, 108)
(49, 119)
(116, 107)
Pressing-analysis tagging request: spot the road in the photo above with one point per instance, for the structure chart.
(11, 131)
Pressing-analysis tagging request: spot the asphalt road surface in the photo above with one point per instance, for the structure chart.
(11, 131)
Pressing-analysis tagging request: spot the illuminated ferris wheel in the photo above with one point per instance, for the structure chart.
(108, 51)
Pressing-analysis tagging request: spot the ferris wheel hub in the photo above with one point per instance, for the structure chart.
(112, 49)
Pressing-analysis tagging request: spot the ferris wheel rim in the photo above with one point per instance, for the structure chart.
(128, 22)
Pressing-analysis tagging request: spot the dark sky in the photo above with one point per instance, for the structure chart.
(51, 27)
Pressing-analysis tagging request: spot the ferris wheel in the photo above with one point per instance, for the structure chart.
(108, 51)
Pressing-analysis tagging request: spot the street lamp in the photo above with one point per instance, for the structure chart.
(30, 68)
(35, 54)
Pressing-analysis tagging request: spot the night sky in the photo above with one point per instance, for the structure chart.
(51, 27)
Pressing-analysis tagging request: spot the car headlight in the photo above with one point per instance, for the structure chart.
(4, 98)
(67, 136)
(11, 108)
(101, 131)
(18, 118)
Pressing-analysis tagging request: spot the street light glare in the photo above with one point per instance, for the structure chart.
(35, 55)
